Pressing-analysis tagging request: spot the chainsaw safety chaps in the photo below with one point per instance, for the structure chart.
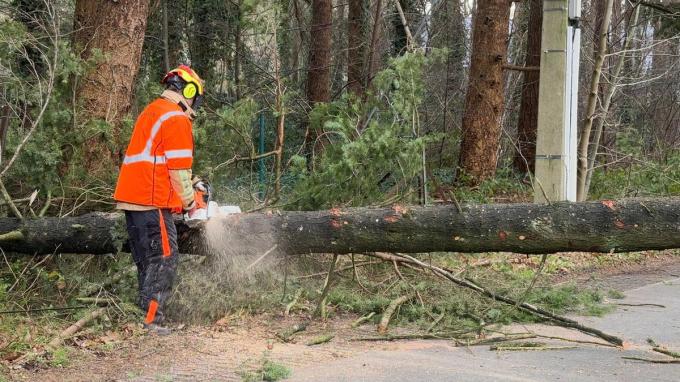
(153, 243)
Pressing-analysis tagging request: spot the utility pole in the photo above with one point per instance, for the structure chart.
(556, 141)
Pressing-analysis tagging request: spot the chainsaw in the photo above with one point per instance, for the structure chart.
(206, 207)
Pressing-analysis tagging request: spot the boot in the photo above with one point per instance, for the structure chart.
(157, 329)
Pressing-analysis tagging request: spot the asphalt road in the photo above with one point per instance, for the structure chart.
(438, 361)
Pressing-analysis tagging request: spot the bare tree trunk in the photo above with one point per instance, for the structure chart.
(355, 47)
(116, 29)
(527, 125)
(319, 72)
(237, 53)
(297, 42)
(485, 99)
(166, 38)
(592, 102)
(372, 56)
(613, 85)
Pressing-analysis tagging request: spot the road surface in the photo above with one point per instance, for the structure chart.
(438, 361)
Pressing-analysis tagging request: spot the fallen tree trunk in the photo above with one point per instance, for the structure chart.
(602, 226)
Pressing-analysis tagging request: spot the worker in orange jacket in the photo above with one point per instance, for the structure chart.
(155, 180)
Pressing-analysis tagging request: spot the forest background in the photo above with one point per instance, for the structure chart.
(330, 103)
(314, 104)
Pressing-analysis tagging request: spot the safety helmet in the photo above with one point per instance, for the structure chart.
(185, 81)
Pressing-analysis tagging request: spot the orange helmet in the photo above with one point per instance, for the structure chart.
(184, 80)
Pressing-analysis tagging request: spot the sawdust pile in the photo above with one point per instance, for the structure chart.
(243, 268)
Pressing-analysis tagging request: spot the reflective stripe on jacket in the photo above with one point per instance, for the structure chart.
(161, 141)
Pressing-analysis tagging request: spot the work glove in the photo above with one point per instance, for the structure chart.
(189, 208)
(199, 184)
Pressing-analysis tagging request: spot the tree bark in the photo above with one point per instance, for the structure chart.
(238, 47)
(166, 38)
(372, 56)
(485, 99)
(319, 71)
(115, 29)
(527, 125)
(603, 226)
(355, 47)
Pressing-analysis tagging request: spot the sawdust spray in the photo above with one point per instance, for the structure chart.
(238, 249)
(243, 267)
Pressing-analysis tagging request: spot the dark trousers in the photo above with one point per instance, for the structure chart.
(153, 243)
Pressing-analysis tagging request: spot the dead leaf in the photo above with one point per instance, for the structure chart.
(11, 356)
(224, 321)
(109, 337)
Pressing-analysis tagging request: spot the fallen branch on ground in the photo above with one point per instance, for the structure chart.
(653, 360)
(389, 311)
(65, 334)
(363, 319)
(435, 322)
(292, 303)
(529, 348)
(359, 264)
(654, 305)
(95, 300)
(542, 313)
(667, 352)
(322, 339)
(493, 340)
(417, 336)
(576, 341)
(43, 309)
(285, 336)
(321, 307)
(73, 329)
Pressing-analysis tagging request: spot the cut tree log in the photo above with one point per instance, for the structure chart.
(600, 226)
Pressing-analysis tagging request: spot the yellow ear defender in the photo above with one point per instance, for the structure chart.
(190, 90)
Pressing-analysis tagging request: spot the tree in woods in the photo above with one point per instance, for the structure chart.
(447, 83)
(319, 63)
(527, 124)
(613, 84)
(400, 34)
(584, 139)
(484, 102)
(372, 57)
(111, 33)
(31, 43)
(328, 49)
(164, 41)
(355, 46)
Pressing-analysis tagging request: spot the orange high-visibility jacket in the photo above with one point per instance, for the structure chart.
(162, 140)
